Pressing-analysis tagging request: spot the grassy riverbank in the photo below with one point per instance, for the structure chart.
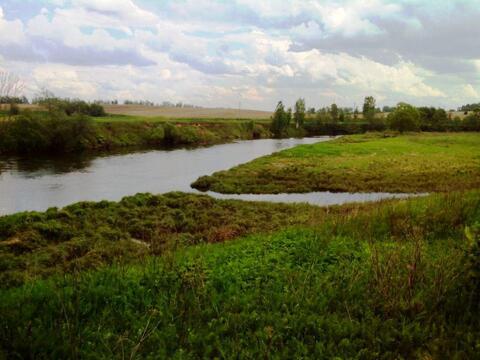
(40, 132)
(388, 280)
(88, 235)
(422, 162)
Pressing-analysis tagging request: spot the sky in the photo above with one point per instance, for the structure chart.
(246, 53)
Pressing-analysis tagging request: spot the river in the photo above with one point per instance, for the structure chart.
(39, 183)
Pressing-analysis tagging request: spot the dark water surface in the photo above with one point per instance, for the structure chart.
(40, 183)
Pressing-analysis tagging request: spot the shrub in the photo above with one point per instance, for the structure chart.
(72, 107)
(14, 109)
(473, 259)
(54, 133)
(404, 118)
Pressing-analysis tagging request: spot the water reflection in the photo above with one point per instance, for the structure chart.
(40, 183)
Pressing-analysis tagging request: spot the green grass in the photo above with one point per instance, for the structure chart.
(89, 235)
(387, 282)
(41, 132)
(425, 162)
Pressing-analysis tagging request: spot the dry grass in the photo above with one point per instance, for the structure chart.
(203, 113)
(177, 113)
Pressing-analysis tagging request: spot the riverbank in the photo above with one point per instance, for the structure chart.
(413, 163)
(382, 280)
(40, 182)
(39, 132)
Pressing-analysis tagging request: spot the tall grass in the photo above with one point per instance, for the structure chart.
(57, 133)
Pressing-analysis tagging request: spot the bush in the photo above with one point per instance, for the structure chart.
(53, 133)
(72, 107)
(97, 110)
(473, 260)
(404, 118)
(472, 122)
(14, 110)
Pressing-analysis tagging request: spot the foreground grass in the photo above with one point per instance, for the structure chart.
(422, 162)
(385, 282)
(88, 235)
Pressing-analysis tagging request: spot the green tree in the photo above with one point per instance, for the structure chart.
(404, 118)
(299, 115)
(369, 109)
(334, 112)
(280, 120)
(440, 117)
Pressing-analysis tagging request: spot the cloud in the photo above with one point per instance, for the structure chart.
(48, 51)
(436, 38)
(216, 52)
(63, 79)
(41, 41)
(470, 92)
(125, 10)
(11, 32)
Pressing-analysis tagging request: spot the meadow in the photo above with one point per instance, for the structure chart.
(373, 162)
(394, 280)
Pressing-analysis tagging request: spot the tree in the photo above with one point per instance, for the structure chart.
(280, 120)
(299, 115)
(369, 109)
(388, 109)
(404, 118)
(11, 86)
(334, 112)
(439, 117)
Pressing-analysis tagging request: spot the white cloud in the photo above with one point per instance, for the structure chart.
(213, 52)
(64, 80)
(123, 9)
(11, 32)
(470, 92)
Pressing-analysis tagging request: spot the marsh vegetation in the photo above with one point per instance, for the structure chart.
(412, 163)
(396, 279)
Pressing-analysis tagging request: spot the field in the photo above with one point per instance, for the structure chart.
(179, 113)
(143, 111)
(395, 280)
(412, 163)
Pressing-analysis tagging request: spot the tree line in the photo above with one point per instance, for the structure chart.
(403, 117)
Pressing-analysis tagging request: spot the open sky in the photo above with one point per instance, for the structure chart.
(220, 53)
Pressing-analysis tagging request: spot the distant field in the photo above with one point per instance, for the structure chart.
(178, 113)
(201, 113)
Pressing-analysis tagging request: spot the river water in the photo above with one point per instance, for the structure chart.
(40, 183)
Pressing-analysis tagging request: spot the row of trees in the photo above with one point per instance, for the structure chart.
(470, 107)
(69, 106)
(403, 117)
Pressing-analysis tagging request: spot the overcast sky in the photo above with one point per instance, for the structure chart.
(220, 53)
